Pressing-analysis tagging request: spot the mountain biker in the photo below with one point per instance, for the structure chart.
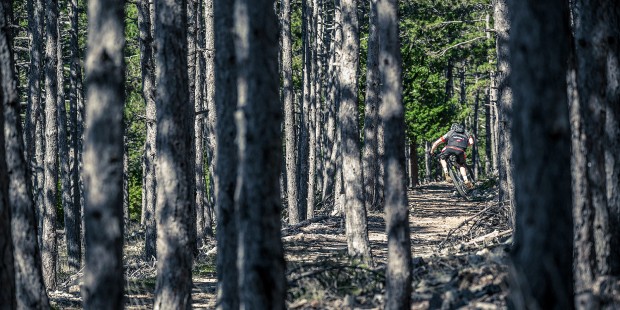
(457, 139)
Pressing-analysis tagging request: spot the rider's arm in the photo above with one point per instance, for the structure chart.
(436, 143)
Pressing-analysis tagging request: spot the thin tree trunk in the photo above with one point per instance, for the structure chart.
(373, 87)
(475, 148)
(50, 247)
(72, 232)
(209, 126)
(21, 261)
(261, 256)
(544, 225)
(392, 111)
(199, 145)
(35, 24)
(427, 161)
(192, 7)
(75, 138)
(413, 163)
(312, 109)
(226, 155)
(103, 156)
(175, 169)
(289, 112)
(488, 162)
(304, 129)
(148, 94)
(355, 208)
(332, 106)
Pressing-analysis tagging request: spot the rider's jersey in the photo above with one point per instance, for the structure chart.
(459, 140)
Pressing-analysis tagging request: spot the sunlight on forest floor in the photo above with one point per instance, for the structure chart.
(459, 253)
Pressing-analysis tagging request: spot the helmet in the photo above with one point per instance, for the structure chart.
(457, 127)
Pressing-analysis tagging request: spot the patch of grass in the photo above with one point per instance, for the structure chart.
(205, 269)
(148, 283)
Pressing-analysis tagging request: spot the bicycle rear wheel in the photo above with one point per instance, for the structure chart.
(457, 179)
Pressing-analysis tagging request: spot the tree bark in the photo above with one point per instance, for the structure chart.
(504, 104)
(596, 138)
(488, 162)
(35, 24)
(209, 127)
(226, 155)
(289, 112)
(304, 113)
(373, 87)
(332, 105)
(20, 265)
(103, 156)
(261, 256)
(392, 111)
(192, 26)
(147, 67)
(175, 169)
(75, 139)
(203, 226)
(49, 251)
(355, 208)
(72, 232)
(544, 228)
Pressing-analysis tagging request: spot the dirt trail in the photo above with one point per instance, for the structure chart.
(435, 210)
(321, 276)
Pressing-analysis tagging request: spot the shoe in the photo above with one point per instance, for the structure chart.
(448, 178)
(469, 184)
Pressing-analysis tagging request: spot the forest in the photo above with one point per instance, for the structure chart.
(220, 154)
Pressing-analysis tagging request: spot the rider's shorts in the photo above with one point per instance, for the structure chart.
(460, 154)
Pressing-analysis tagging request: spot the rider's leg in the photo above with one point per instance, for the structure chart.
(444, 165)
(463, 173)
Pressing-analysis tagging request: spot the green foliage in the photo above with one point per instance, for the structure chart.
(134, 112)
(436, 36)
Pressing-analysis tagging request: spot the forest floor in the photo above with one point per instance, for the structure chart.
(459, 250)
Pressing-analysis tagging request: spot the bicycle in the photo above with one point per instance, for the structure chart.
(457, 178)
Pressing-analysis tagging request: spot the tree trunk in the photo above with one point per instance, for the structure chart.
(289, 112)
(373, 87)
(427, 161)
(199, 146)
(544, 228)
(103, 156)
(355, 209)
(192, 7)
(35, 24)
(49, 254)
(226, 155)
(319, 87)
(413, 163)
(488, 162)
(209, 127)
(72, 232)
(504, 104)
(392, 111)
(75, 139)
(20, 260)
(175, 169)
(304, 115)
(261, 257)
(475, 148)
(332, 105)
(148, 94)
(596, 137)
